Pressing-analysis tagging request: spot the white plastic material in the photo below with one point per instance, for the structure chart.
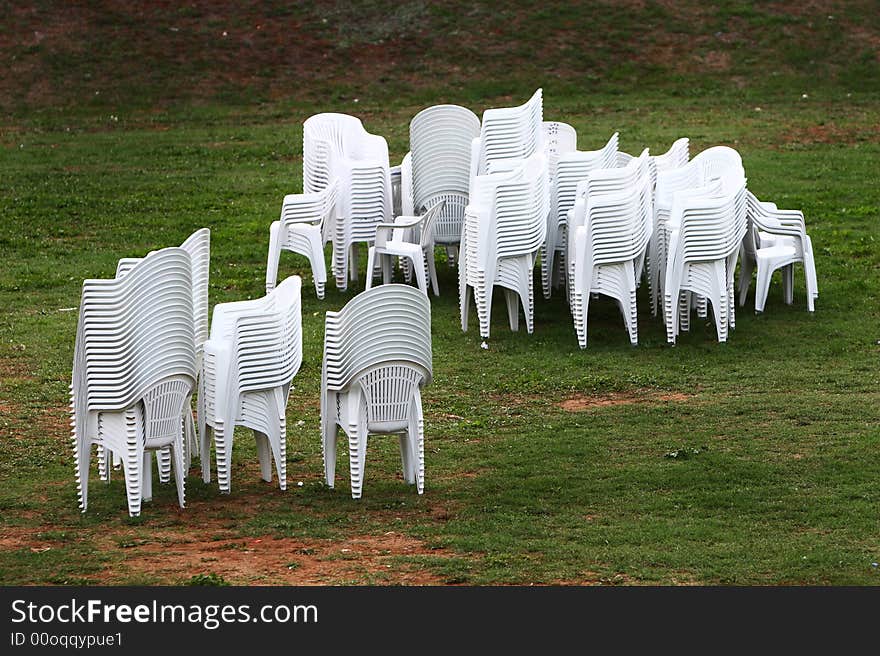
(612, 219)
(254, 352)
(410, 237)
(572, 168)
(775, 239)
(198, 245)
(718, 161)
(437, 168)
(676, 157)
(338, 146)
(505, 226)
(134, 370)
(305, 226)
(377, 357)
(508, 133)
(559, 139)
(707, 226)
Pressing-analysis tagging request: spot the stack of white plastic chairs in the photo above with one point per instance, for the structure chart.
(612, 215)
(377, 357)
(134, 370)
(338, 146)
(437, 168)
(676, 157)
(572, 169)
(198, 245)
(254, 352)
(505, 226)
(696, 173)
(507, 133)
(304, 227)
(559, 139)
(707, 226)
(775, 239)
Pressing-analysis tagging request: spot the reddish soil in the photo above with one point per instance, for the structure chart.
(584, 403)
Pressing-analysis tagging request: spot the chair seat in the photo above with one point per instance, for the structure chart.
(776, 252)
(399, 248)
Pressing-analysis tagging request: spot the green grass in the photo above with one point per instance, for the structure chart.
(779, 425)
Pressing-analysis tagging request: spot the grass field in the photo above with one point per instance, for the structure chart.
(751, 462)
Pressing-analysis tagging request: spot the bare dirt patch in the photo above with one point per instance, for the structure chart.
(266, 560)
(831, 134)
(584, 403)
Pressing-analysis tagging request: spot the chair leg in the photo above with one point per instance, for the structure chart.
(419, 270)
(353, 263)
(147, 476)
(179, 472)
(274, 255)
(132, 465)
(263, 455)
(371, 258)
(406, 457)
(223, 449)
(788, 283)
(387, 273)
(746, 266)
(512, 299)
(762, 285)
(432, 270)
(163, 463)
(357, 447)
(205, 451)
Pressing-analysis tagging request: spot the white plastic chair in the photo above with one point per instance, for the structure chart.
(254, 352)
(338, 146)
(410, 237)
(305, 226)
(134, 370)
(505, 226)
(377, 357)
(776, 239)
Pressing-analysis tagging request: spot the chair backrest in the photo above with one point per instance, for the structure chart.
(559, 138)
(265, 336)
(328, 136)
(312, 207)
(511, 132)
(385, 325)
(440, 140)
(135, 331)
(431, 216)
(574, 167)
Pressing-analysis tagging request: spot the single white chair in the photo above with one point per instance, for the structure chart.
(776, 239)
(305, 226)
(254, 352)
(377, 357)
(337, 146)
(410, 237)
(134, 370)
